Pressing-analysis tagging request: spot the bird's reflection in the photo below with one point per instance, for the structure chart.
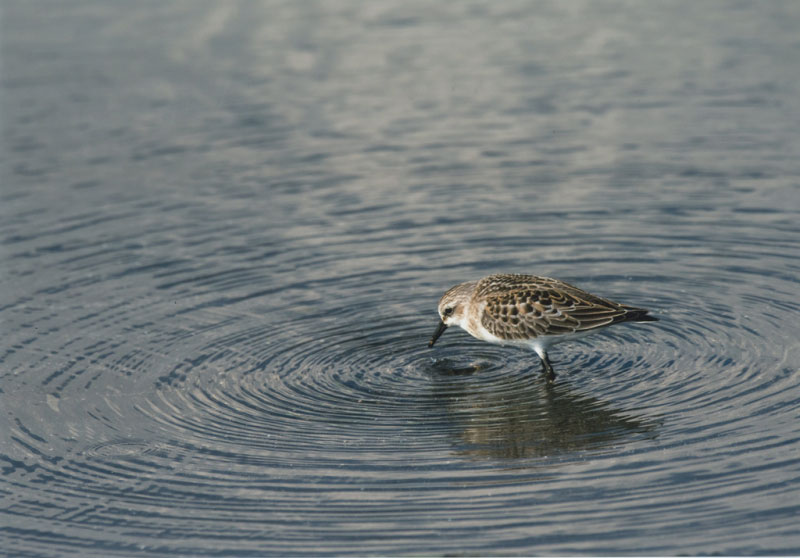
(511, 416)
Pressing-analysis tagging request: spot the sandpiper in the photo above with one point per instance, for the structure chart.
(530, 311)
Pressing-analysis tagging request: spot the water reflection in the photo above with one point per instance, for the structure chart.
(510, 416)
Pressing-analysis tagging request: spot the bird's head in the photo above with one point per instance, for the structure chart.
(453, 308)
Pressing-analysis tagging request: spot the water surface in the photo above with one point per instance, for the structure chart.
(225, 228)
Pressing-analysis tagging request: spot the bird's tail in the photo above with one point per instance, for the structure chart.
(639, 315)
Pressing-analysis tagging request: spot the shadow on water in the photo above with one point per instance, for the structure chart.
(510, 416)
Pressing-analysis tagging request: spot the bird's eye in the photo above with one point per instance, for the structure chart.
(448, 311)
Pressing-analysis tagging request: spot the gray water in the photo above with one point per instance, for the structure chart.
(225, 227)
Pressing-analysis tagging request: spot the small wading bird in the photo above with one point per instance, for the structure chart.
(530, 311)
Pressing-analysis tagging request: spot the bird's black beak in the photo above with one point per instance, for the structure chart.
(439, 331)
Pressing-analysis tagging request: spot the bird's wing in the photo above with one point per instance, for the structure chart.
(523, 310)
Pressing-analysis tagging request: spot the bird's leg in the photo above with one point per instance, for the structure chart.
(547, 368)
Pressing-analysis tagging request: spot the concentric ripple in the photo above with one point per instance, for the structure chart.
(298, 419)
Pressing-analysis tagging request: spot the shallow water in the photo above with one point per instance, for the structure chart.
(225, 228)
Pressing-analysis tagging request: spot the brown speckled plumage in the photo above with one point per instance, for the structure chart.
(527, 306)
